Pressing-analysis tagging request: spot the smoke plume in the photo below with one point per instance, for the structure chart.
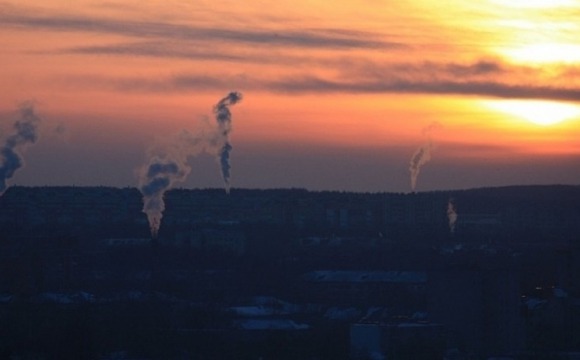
(156, 178)
(422, 155)
(167, 164)
(11, 151)
(451, 215)
(224, 120)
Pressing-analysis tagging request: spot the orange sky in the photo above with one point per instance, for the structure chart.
(329, 89)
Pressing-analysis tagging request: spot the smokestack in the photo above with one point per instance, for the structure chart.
(25, 134)
(451, 215)
(422, 155)
(224, 121)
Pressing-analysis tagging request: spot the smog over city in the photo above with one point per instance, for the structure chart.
(300, 180)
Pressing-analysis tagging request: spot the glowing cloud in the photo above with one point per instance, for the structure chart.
(539, 112)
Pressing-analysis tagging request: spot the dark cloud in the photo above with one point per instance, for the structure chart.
(198, 52)
(312, 38)
(309, 84)
(349, 65)
(175, 84)
(486, 78)
(156, 49)
(435, 69)
(482, 67)
(316, 85)
(428, 71)
(168, 85)
(490, 78)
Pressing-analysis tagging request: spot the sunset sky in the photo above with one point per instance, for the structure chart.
(337, 95)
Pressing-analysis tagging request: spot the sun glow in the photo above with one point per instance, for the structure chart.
(545, 53)
(539, 112)
(534, 3)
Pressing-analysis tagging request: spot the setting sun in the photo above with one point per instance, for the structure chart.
(543, 113)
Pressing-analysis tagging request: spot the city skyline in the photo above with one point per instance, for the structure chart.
(336, 96)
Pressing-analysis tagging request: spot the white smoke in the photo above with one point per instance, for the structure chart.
(422, 155)
(451, 215)
(167, 163)
(11, 151)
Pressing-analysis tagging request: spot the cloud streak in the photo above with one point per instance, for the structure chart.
(310, 38)
(443, 87)
(362, 75)
(480, 79)
(194, 52)
(155, 49)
